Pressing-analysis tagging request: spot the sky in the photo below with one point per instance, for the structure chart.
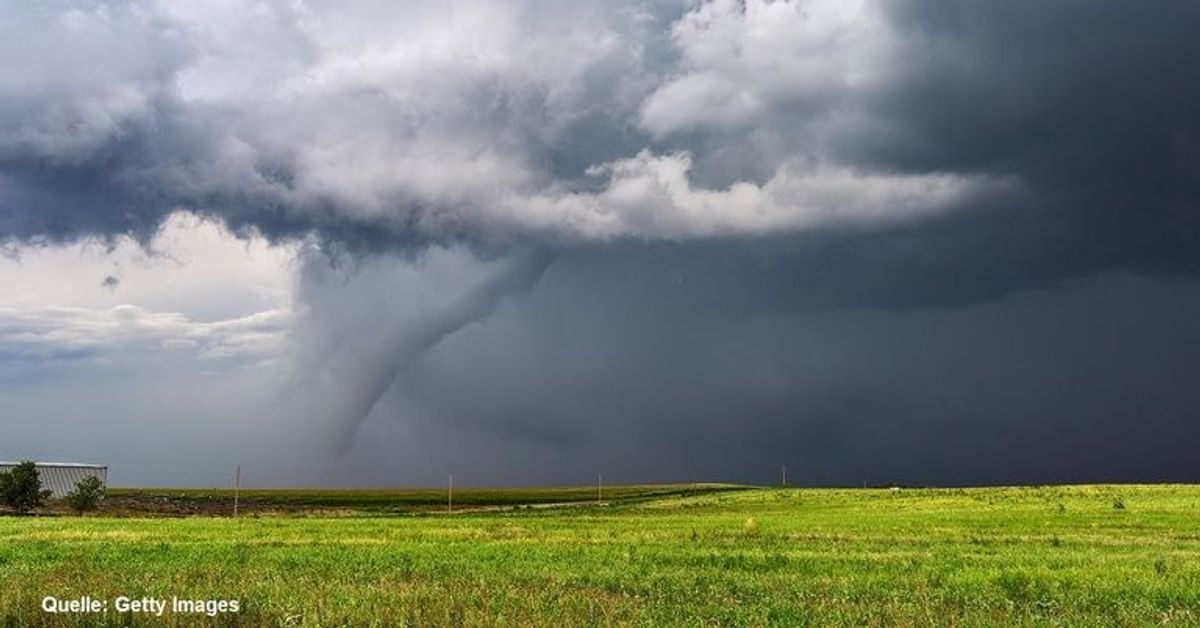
(529, 242)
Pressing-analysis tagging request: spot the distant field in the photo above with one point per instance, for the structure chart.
(382, 501)
(1086, 556)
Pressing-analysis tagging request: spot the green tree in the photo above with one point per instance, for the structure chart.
(21, 488)
(86, 495)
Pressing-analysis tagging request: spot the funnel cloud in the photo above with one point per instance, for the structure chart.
(343, 381)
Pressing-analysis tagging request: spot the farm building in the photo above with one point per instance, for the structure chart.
(60, 477)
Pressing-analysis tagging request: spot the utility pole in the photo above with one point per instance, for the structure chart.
(784, 470)
(450, 496)
(237, 487)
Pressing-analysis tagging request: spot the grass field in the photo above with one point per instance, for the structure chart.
(364, 502)
(1087, 556)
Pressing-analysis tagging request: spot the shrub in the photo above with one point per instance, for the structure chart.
(86, 495)
(1118, 504)
(21, 488)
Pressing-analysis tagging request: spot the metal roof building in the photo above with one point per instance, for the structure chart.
(61, 477)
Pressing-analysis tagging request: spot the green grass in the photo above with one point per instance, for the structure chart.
(971, 557)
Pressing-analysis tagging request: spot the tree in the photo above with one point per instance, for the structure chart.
(21, 488)
(86, 494)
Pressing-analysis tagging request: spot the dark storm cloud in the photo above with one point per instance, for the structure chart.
(1088, 103)
(1025, 142)
(622, 374)
(893, 241)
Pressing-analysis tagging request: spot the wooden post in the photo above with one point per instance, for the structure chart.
(237, 488)
(784, 468)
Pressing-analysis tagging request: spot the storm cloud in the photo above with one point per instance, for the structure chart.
(490, 123)
(875, 241)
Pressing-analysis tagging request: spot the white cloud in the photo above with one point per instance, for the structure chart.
(652, 195)
(744, 62)
(192, 266)
(120, 332)
(196, 291)
(73, 76)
